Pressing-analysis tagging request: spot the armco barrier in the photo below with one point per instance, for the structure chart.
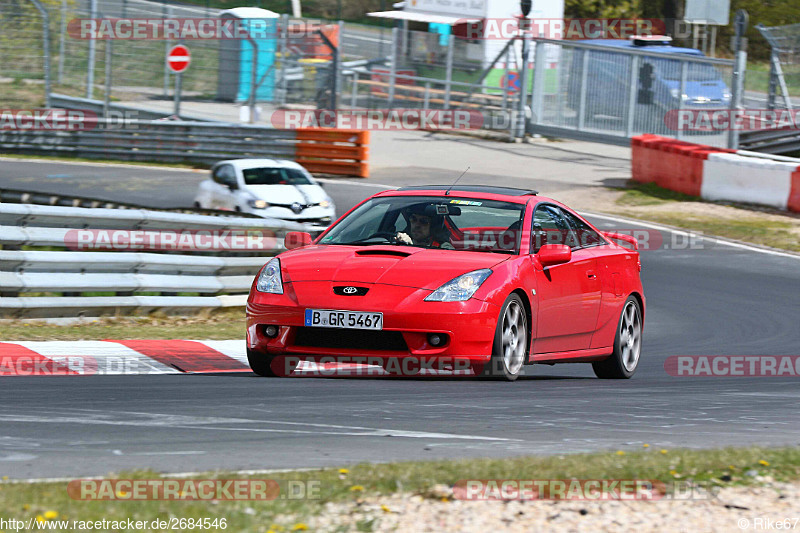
(716, 173)
(37, 281)
(321, 150)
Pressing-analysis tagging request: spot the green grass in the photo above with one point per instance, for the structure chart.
(222, 324)
(757, 78)
(638, 194)
(774, 234)
(721, 467)
(782, 234)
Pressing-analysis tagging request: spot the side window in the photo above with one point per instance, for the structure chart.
(586, 236)
(549, 227)
(224, 175)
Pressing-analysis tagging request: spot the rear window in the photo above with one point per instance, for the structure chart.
(274, 176)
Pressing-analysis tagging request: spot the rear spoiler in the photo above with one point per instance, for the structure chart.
(622, 237)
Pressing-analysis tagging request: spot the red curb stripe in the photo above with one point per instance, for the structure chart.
(16, 360)
(187, 356)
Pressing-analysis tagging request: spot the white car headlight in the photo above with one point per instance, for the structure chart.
(270, 278)
(461, 288)
(258, 204)
(324, 203)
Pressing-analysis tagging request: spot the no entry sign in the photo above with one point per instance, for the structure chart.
(178, 58)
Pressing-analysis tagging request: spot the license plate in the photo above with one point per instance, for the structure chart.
(331, 318)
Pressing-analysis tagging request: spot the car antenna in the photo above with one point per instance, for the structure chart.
(447, 192)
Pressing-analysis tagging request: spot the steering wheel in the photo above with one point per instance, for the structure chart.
(388, 235)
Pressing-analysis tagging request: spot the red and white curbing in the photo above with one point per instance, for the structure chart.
(717, 173)
(134, 357)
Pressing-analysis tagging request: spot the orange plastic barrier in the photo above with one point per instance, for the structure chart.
(794, 194)
(669, 163)
(333, 151)
(304, 39)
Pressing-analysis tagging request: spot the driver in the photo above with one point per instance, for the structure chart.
(422, 229)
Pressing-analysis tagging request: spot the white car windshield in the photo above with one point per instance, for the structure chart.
(274, 176)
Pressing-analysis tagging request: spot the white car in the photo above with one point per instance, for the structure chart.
(266, 187)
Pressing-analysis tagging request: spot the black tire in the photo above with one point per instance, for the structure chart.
(622, 363)
(270, 366)
(508, 357)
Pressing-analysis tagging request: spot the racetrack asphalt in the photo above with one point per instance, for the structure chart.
(708, 299)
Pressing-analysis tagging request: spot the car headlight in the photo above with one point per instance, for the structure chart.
(324, 203)
(461, 288)
(270, 278)
(726, 96)
(258, 204)
(674, 93)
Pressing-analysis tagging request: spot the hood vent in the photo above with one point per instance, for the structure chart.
(394, 253)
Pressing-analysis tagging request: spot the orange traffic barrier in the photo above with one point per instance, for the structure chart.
(794, 192)
(669, 163)
(333, 151)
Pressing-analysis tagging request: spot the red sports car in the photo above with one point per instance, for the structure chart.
(491, 278)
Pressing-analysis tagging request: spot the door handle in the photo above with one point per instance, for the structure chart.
(590, 274)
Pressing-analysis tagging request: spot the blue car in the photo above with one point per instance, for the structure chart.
(658, 80)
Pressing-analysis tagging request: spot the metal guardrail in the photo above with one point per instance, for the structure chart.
(321, 150)
(20, 196)
(771, 141)
(36, 281)
(22, 215)
(72, 102)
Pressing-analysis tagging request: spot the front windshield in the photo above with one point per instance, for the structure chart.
(670, 69)
(444, 222)
(274, 176)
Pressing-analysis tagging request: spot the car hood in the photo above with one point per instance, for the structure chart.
(419, 268)
(288, 194)
(711, 89)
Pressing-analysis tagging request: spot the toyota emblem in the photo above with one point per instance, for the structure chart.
(349, 290)
(296, 208)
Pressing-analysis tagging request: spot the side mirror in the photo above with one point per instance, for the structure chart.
(554, 254)
(232, 185)
(296, 239)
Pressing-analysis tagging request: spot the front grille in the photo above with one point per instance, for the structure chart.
(355, 339)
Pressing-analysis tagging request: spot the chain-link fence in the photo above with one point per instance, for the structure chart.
(784, 72)
(573, 88)
(90, 58)
(614, 91)
(23, 53)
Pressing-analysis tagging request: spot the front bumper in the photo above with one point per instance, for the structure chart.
(407, 322)
(316, 214)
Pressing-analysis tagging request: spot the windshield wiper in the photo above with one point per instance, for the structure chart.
(368, 242)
